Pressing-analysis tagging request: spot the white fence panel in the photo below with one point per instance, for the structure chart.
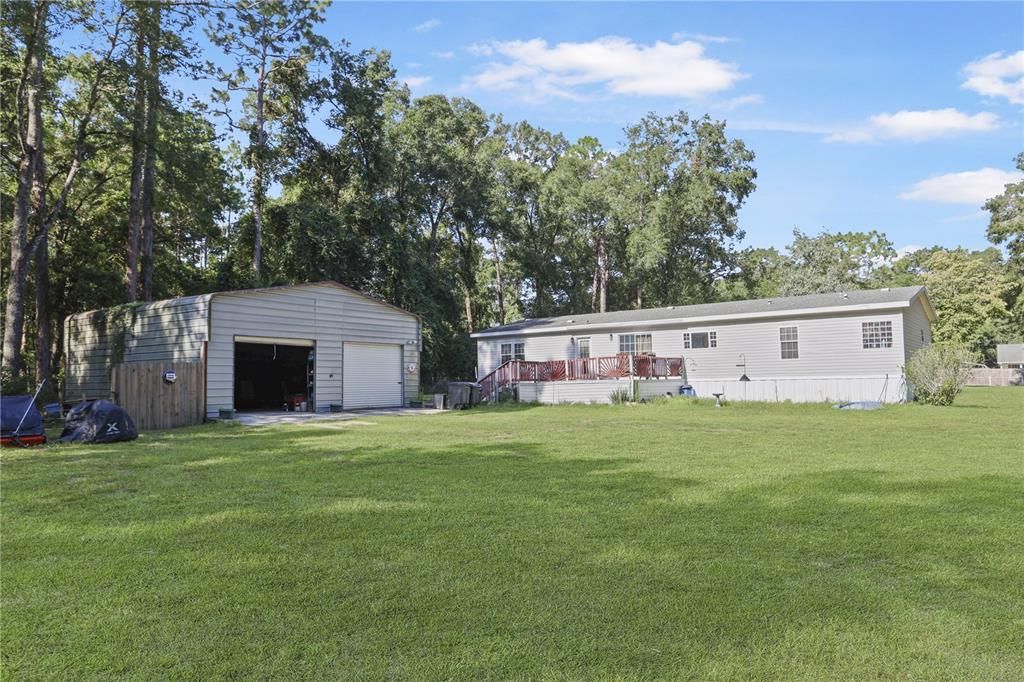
(580, 391)
(1005, 376)
(811, 390)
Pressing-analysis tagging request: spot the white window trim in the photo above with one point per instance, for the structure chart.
(590, 347)
(881, 325)
(512, 355)
(636, 346)
(712, 338)
(796, 341)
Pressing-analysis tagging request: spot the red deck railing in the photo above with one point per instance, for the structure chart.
(579, 369)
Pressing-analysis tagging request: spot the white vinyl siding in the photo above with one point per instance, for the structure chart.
(789, 343)
(372, 376)
(552, 392)
(917, 330)
(830, 346)
(764, 390)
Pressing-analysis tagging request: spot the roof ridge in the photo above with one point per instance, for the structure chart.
(879, 295)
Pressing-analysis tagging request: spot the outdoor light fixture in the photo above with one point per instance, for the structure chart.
(743, 364)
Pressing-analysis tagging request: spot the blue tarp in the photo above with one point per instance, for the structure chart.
(98, 421)
(12, 408)
(862, 405)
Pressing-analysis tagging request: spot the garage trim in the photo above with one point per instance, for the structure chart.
(309, 343)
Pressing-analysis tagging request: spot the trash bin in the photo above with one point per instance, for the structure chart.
(439, 401)
(687, 391)
(463, 394)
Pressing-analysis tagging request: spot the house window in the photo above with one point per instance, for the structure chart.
(789, 343)
(877, 334)
(513, 351)
(635, 344)
(700, 339)
(583, 348)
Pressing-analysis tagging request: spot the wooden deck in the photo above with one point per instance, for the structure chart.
(579, 369)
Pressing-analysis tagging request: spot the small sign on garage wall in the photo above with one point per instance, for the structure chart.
(410, 368)
(170, 376)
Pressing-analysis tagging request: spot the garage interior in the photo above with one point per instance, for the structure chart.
(274, 376)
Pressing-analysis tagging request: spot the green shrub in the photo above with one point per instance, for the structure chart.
(621, 397)
(9, 385)
(939, 372)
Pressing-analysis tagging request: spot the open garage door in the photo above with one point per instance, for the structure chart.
(273, 374)
(372, 376)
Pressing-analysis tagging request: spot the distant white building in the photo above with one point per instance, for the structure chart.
(1010, 355)
(842, 346)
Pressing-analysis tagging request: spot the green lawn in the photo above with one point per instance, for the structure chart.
(660, 541)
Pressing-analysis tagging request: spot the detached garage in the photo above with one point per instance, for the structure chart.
(303, 347)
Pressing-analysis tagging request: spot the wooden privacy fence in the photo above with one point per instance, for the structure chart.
(152, 402)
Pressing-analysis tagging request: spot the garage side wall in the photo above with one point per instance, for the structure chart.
(327, 314)
(167, 331)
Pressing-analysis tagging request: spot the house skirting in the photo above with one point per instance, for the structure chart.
(892, 389)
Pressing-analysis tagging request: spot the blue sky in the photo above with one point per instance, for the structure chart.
(899, 117)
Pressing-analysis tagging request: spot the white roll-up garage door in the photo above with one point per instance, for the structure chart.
(372, 376)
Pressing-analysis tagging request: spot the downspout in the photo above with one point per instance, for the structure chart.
(206, 361)
(63, 388)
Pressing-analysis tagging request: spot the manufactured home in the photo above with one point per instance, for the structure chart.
(312, 347)
(845, 346)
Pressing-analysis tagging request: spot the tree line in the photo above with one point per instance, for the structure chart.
(311, 160)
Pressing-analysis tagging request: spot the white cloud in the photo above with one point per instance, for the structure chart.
(446, 54)
(916, 126)
(971, 187)
(702, 37)
(973, 216)
(623, 67)
(416, 81)
(997, 76)
(741, 101)
(480, 49)
(907, 250)
(428, 25)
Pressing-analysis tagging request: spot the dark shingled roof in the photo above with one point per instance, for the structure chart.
(895, 295)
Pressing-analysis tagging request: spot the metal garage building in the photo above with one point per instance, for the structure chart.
(312, 346)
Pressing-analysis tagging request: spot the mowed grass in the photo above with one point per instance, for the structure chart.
(583, 542)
